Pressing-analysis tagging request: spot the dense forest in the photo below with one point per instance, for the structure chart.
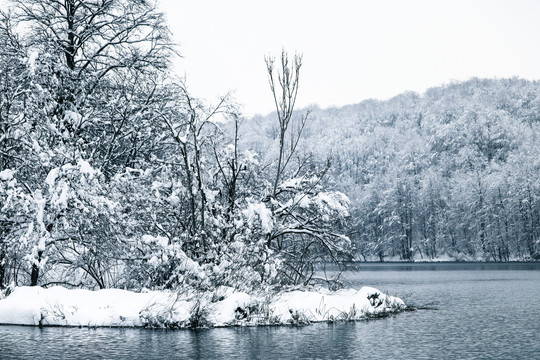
(453, 173)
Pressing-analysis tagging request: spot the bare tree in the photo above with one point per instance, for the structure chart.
(284, 87)
(307, 217)
(191, 127)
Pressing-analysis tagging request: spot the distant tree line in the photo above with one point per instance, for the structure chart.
(453, 173)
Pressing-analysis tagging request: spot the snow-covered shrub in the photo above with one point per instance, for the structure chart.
(16, 208)
(307, 228)
(74, 227)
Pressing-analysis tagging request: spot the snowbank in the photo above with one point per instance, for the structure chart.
(349, 304)
(223, 307)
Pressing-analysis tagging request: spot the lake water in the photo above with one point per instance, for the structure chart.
(480, 311)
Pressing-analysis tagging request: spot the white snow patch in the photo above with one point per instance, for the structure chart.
(260, 211)
(347, 304)
(334, 200)
(41, 244)
(73, 117)
(174, 200)
(60, 306)
(162, 241)
(61, 200)
(224, 312)
(31, 62)
(85, 167)
(114, 307)
(251, 157)
(6, 175)
(51, 177)
(40, 209)
(293, 183)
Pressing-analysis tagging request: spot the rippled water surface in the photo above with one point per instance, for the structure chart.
(475, 312)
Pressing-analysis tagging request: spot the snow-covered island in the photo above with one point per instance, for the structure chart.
(58, 306)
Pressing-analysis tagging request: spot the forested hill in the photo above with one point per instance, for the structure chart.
(453, 173)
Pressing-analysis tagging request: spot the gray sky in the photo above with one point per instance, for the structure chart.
(353, 49)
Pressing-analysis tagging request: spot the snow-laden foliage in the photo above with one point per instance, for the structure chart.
(448, 174)
(306, 224)
(112, 174)
(16, 208)
(162, 252)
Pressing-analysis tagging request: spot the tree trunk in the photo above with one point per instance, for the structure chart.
(2, 273)
(35, 271)
(70, 48)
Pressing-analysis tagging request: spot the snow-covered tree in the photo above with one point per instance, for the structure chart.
(86, 72)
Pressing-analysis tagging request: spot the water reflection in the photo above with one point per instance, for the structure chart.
(480, 314)
(443, 266)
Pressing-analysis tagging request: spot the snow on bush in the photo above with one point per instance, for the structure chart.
(6, 175)
(258, 211)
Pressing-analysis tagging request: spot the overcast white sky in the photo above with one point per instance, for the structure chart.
(353, 49)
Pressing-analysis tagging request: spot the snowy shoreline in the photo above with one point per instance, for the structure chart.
(58, 306)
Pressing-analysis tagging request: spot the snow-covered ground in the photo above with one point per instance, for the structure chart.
(223, 307)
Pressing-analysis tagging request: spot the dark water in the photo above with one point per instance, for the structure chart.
(489, 313)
